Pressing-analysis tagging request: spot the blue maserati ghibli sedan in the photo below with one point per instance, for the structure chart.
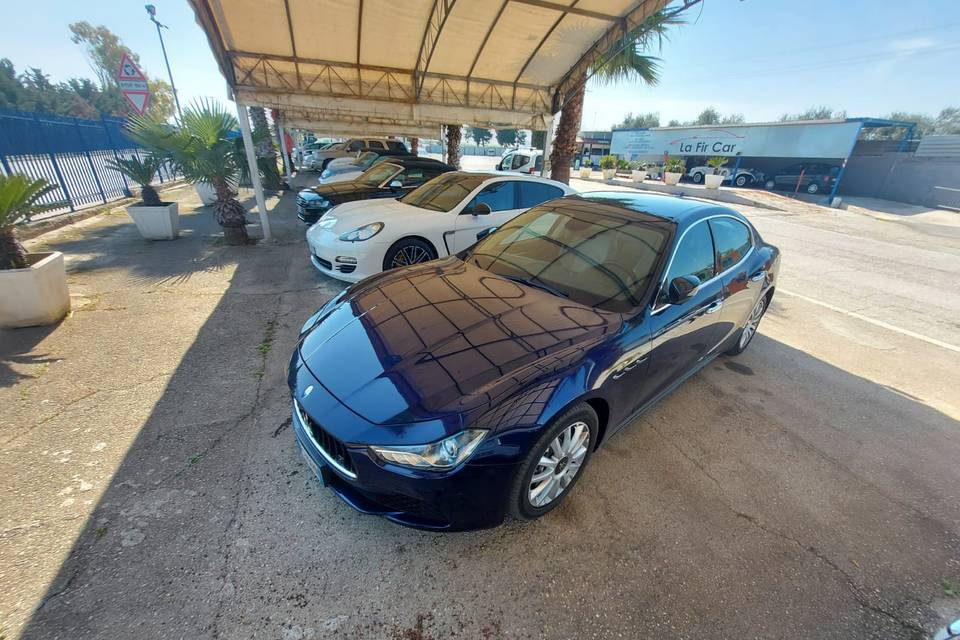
(450, 394)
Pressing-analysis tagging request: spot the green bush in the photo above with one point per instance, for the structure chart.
(608, 162)
(675, 165)
(717, 163)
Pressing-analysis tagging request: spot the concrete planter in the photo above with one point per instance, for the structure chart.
(36, 295)
(585, 172)
(608, 174)
(672, 178)
(712, 182)
(638, 176)
(156, 223)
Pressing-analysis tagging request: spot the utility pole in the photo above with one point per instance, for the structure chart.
(152, 11)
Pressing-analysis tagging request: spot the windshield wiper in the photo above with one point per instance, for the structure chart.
(538, 284)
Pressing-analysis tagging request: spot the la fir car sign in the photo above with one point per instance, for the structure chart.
(133, 84)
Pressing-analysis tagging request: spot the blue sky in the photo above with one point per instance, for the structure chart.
(760, 58)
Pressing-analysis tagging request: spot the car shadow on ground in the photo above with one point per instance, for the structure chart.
(750, 503)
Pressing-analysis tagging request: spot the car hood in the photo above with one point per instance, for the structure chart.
(350, 215)
(430, 340)
(343, 191)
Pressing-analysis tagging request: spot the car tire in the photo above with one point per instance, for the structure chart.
(572, 422)
(749, 330)
(813, 187)
(742, 180)
(697, 177)
(323, 165)
(407, 251)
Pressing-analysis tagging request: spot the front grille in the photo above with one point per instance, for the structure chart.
(332, 448)
(347, 268)
(409, 505)
(326, 264)
(301, 201)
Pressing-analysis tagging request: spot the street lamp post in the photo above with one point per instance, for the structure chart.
(152, 11)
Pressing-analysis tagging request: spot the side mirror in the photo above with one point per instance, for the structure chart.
(483, 234)
(481, 209)
(395, 184)
(682, 288)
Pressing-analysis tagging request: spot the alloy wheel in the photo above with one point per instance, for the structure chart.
(559, 465)
(410, 254)
(750, 327)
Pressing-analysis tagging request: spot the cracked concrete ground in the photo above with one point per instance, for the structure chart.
(152, 489)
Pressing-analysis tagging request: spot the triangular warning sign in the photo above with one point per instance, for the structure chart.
(129, 70)
(139, 100)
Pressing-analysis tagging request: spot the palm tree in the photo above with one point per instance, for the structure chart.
(18, 200)
(142, 173)
(202, 148)
(266, 154)
(623, 61)
(454, 136)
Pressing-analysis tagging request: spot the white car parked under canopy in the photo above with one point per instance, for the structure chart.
(443, 216)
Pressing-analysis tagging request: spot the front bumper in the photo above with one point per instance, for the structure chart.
(470, 496)
(347, 261)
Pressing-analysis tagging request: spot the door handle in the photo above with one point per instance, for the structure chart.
(716, 306)
(758, 276)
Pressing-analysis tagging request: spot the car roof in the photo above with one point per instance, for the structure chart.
(412, 163)
(506, 175)
(677, 209)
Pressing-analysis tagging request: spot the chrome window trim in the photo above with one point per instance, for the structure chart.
(753, 245)
(298, 412)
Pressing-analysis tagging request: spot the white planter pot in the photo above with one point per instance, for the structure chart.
(671, 178)
(156, 223)
(206, 192)
(712, 182)
(608, 174)
(638, 176)
(36, 295)
(208, 195)
(585, 172)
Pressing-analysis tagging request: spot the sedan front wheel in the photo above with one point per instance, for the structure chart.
(406, 252)
(554, 463)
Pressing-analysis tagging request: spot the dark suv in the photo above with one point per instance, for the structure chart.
(814, 177)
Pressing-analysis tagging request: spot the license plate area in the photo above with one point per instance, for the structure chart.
(322, 472)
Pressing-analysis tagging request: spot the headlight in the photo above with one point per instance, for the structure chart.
(321, 203)
(442, 454)
(325, 173)
(362, 233)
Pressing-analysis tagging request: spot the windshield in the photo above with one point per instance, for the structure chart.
(444, 192)
(586, 252)
(366, 159)
(376, 175)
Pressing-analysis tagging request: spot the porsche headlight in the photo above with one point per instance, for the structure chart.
(325, 173)
(442, 454)
(362, 233)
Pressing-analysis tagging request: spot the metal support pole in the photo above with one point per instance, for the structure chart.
(163, 47)
(284, 150)
(93, 168)
(244, 119)
(736, 167)
(547, 147)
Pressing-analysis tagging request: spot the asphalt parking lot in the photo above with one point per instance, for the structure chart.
(806, 489)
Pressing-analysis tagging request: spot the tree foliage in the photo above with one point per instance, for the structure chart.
(32, 90)
(813, 113)
(639, 121)
(511, 137)
(479, 135)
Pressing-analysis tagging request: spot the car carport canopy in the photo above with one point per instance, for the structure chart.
(404, 67)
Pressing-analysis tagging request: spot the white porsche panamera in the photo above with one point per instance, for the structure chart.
(443, 216)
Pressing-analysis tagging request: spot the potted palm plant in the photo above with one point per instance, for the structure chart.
(33, 286)
(586, 169)
(673, 170)
(203, 149)
(155, 220)
(638, 171)
(714, 180)
(608, 164)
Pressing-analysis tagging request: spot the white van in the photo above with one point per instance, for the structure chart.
(529, 161)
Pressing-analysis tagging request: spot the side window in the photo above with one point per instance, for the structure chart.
(732, 240)
(519, 160)
(538, 165)
(499, 196)
(533, 193)
(355, 145)
(412, 177)
(507, 161)
(694, 255)
(395, 145)
(375, 144)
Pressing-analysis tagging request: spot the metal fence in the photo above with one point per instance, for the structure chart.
(70, 153)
